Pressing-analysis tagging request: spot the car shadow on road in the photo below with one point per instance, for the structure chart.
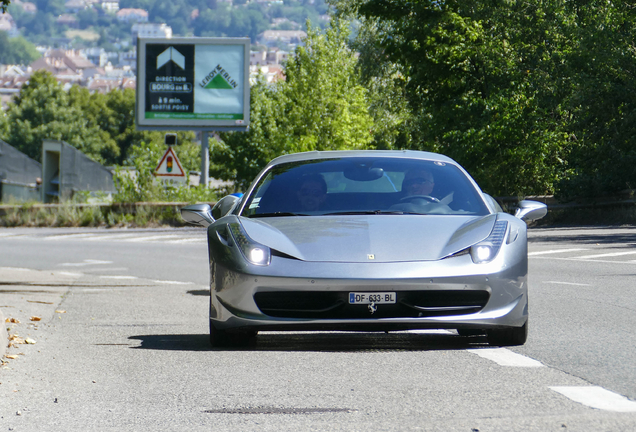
(320, 342)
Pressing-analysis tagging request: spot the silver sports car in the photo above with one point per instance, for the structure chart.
(366, 241)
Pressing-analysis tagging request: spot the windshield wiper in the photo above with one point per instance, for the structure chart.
(276, 214)
(367, 212)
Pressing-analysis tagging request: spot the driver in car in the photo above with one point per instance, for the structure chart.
(418, 182)
(312, 192)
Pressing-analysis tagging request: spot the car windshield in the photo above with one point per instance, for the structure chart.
(364, 185)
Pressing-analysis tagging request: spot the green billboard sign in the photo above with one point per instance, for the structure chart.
(193, 83)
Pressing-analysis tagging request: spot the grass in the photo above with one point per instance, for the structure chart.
(108, 216)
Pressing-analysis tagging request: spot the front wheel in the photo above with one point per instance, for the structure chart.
(224, 338)
(509, 336)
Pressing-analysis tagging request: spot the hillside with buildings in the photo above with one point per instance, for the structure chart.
(93, 42)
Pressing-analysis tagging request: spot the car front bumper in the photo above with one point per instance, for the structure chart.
(485, 296)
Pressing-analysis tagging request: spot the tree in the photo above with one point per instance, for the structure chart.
(321, 105)
(484, 81)
(603, 104)
(326, 104)
(4, 4)
(100, 125)
(16, 50)
(241, 155)
(43, 110)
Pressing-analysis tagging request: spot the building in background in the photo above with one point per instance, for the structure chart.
(132, 15)
(150, 30)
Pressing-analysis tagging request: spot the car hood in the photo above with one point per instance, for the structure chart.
(370, 238)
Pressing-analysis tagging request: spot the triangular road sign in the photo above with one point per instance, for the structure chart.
(169, 165)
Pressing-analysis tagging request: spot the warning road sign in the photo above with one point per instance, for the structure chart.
(169, 169)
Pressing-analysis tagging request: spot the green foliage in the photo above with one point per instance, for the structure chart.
(100, 125)
(479, 80)
(16, 50)
(241, 155)
(320, 106)
(43, 110)
(140, 185)
(603, 105)
(326, 106)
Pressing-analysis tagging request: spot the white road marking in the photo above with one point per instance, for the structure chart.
(566, 283)
(505, 357)
(188, 240)
(65, 273)
(119, 277)
(587, 260)
(151, 238)
(172, 282)
(597, 397)
(110, 237)
(553, 251)
(74, 236)
(85, 263)
(633, 252)
(101, 289)
(108, 269)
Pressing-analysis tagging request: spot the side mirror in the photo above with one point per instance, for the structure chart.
(531, 210)
(198, 214)
(224, 206)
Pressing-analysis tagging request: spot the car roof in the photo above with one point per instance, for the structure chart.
(403, 154)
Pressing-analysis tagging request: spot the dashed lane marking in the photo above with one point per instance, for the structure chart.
(119, 277)
(86, 263)
(65, 273)
(566, 283)
(84, 236)
(151, 238)
(632, 252)
(505, 357)
(167, 282)
(597, 397)
(554, 251)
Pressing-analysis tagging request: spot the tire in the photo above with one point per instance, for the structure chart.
(509, 336)
(471, 332)
(224, 338)
(218, 338)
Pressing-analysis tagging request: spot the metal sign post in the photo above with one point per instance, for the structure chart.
(205, 159)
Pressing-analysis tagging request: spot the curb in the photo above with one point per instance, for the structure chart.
(4, 337)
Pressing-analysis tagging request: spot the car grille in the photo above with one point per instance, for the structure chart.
(335, 305)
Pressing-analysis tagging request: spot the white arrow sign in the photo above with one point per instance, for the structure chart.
(171, 54)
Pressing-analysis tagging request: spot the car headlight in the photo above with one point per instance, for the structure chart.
(253, 252)
(486, 250)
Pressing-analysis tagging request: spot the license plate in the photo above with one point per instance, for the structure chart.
(372, 297)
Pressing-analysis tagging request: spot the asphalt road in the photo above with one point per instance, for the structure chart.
(121, 344)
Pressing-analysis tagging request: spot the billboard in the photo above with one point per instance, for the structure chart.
(193, 83)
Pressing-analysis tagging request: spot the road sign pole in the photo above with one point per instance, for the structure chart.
(205, 159)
